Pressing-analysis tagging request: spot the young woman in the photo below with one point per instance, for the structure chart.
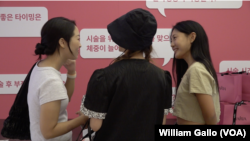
(125, 100)
(197, 99)
(48, 97)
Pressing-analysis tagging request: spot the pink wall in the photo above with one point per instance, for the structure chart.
(227, 29)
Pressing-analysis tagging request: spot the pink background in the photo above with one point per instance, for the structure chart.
(227, 29)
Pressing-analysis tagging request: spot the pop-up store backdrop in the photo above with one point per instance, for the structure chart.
(226, 24)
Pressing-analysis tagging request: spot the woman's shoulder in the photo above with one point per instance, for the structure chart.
(198, 67)
(133, 64)
(99, 73)
(158, 69)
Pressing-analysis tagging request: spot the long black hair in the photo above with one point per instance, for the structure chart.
(52, 31)
(199, 51)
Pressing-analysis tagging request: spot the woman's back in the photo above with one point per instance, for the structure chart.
(133, 93)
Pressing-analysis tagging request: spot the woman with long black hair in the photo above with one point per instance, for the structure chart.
(197, 99)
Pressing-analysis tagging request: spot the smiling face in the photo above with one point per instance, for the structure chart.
(74, 45)
(180, 43)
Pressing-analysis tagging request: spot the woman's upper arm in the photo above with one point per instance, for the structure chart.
(164, 120)
(96, 101)
(49, 117)
(202, 85)
(95, 124)
(50, 96)
(207, 105)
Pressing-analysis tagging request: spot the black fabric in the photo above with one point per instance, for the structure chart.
(168, 101)
(17, 124)
(133, 93)
(135, 30)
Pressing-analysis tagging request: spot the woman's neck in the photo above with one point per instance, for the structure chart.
(189, 59)
(138, 55)
(54, 61)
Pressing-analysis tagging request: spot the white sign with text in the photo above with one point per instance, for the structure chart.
(97, 43)
(11, 83)
(161, 5)
(22, 21)
(235, 66)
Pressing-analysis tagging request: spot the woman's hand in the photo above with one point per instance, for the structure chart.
(70, 65)
(79, 113)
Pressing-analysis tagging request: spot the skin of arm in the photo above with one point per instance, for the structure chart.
(207, 107)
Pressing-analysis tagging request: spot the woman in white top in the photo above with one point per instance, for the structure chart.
(48, 97)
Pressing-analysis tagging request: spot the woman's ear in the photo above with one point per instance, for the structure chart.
(62, 43)
(192, 37)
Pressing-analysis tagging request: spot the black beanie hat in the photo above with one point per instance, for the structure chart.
(134, 30)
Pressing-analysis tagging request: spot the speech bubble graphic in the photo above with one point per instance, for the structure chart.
(161, 45)
(11, 83)
(97, 43)
(22, 21)
(235, 66)
(161, 5)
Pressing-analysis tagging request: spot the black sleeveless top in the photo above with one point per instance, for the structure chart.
(130, 96)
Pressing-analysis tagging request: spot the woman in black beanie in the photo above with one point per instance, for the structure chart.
(125, 100)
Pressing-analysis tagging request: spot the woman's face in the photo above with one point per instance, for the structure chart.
(74, 44)
(180, 43)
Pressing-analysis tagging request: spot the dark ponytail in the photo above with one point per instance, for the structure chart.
(40, 50)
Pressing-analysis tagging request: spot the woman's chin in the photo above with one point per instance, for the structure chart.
(177, 56)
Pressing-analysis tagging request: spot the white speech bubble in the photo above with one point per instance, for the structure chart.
(235, 66)
(22, 21)
(161, 45)
(97, 43)
(161, 5)
(11, 83)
